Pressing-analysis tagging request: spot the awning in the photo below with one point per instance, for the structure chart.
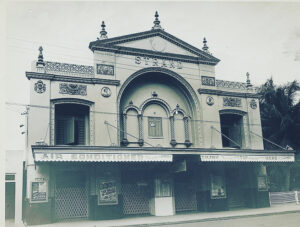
(247, 157)
(100, 157)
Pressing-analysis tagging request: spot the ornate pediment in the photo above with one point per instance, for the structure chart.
(154, 43)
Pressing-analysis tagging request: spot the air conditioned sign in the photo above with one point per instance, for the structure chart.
(155, 62)
(101, 157)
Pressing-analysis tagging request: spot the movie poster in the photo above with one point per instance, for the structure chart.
(218, 187)
(107, 193)
(39, 191)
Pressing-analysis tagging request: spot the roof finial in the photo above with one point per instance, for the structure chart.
(156, 22)
(248, 80)
(40, 61)
(205, 47)
(103, 33)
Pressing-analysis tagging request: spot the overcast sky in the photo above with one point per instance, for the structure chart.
(262, 38)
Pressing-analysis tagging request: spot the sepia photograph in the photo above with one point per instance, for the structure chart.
(150, 113)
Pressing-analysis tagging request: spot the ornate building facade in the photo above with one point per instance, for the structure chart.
(146, 130)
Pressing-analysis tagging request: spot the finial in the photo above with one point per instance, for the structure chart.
(103, 33)
(40, 61)
(154, 94)
(205, 47)
(248, 80)
(156, 22)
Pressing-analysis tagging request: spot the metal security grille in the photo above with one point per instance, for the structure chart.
(185, 197)
(284, 197)
(71, 195)
(135, 199)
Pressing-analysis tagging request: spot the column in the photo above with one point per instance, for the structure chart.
(140, 122)
(173, 141)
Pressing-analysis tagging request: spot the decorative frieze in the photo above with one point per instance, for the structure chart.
(105, 69)
(68, 68)
(208, 80)
(72, 89)
(40, 87)
(233, 102)
(231, 84)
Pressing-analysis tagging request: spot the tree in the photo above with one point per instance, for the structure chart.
(280, 118)
(280, 114)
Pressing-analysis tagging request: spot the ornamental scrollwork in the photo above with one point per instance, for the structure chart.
(68, 68)
(105, 69)
(233, 102)
(40, 87)
(208, 80)
(72, 89)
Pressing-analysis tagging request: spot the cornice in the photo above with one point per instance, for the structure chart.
(228, 93)
(47, 76)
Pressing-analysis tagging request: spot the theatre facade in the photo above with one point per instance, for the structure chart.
(146, 130)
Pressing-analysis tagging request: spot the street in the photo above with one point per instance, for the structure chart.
(280, 220)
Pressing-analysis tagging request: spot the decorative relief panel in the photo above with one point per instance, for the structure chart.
(208, 81)
(105, 69)
(253, 104)
(40, 87)
(233, 102)
(72, 89)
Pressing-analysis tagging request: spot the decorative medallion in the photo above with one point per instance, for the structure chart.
(210, 100)
(233, 102)
(253, 104)
(208, 80)
(158, 44)
(72, 89)
(105, 69)
(105, 92)
(40, 87)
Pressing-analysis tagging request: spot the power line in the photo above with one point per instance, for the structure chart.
(120, 114)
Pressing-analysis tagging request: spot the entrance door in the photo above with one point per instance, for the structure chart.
(71, 195)
(185, 194)
(10, 200)
(235, 191)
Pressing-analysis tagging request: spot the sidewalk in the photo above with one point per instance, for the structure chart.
(176, 219)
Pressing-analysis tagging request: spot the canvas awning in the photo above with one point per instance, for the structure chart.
(248, 157)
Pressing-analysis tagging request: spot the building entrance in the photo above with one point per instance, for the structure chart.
(185, 193)
(71, 195)
(10, 200)
(235, 189)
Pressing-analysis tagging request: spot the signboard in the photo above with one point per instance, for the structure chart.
(246, 158)
(208, 80)
(262, 184)
(218, 188)
(105, 69)
(98, 157)
(39, 191)
(107, 193)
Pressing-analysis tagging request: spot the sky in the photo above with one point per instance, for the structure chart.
(262, 38)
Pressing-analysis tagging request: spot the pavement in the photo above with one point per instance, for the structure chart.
(173, 220)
